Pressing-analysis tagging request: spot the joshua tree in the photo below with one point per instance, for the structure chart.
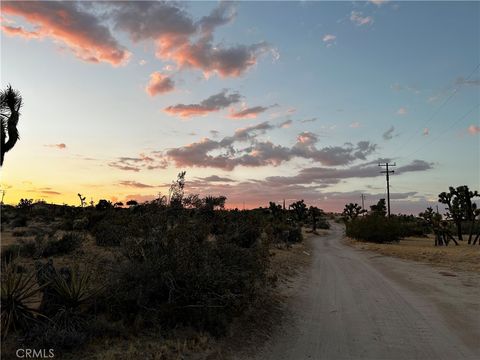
(82, 200)
(299, 209)
(10, 103)
(460, 207)
(352, 211)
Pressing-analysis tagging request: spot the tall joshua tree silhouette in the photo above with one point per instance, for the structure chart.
(10, 103)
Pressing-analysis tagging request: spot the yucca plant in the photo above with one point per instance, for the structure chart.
(20, 291)
(74, 290)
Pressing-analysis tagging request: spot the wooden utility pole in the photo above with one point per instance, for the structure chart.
(363, 204)
(387, 172)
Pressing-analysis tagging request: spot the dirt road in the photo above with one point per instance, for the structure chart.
(353, 304)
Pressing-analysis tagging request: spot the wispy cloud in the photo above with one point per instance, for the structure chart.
(402, 111)
(60, 146)
(285, 124)
(378, 2)
(359, 19)
(389, 135)
(212, 104)
(248, 113)
(135, 184)
(355, 125)
(329, 39)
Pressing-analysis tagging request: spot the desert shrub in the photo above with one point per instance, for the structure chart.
(279, 232)
(66, 224)
(19, 233)
(177, 275)
(110, 231)
(374, 228)
(65, 245)
(49, 335)
(411, 226)
(19, 221)
(80, 224)
(24, 249)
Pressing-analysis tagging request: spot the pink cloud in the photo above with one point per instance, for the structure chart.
(473, 129)
(184, 41)
(66, 22)
(159, 84)
(402, 111)
(426, 132)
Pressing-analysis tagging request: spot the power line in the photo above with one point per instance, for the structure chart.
(443, 132)
(436, 111)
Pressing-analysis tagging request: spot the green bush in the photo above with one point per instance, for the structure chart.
(280, 232)
(372, 228)
(180, 275)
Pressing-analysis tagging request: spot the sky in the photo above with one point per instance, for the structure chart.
(257, 101)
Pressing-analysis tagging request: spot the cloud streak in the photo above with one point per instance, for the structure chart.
(213, 103)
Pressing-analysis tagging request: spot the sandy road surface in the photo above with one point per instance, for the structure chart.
(353, 304)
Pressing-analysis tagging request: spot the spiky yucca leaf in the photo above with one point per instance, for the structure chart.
(76, 291)
(19, 292)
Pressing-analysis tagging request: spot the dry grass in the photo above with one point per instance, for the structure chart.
(463, 257)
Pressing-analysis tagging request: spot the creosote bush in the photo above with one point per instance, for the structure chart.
(65, 245)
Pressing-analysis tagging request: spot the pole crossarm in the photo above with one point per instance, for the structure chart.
(387, 173)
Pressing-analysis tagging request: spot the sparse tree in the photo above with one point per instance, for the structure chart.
(10, 104)
(132, 203)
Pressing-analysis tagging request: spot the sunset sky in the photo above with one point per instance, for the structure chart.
(257, 101)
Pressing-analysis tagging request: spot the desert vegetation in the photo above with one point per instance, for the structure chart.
(374, 226)
(424, 238)
(72, 274)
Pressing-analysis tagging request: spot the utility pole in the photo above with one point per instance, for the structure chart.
(387, 172)
(363, 199)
